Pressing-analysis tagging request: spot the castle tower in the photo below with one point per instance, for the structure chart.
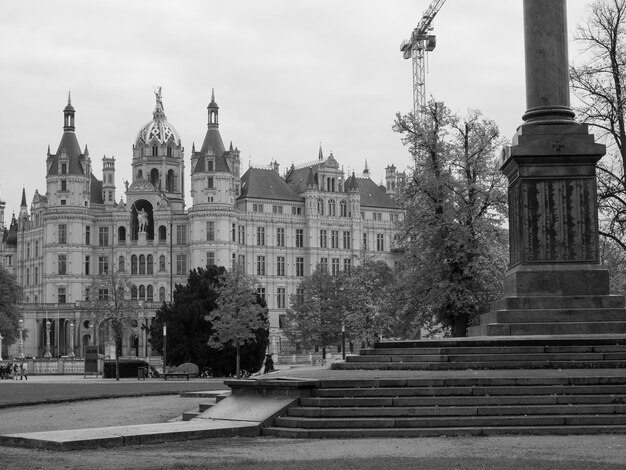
(108, 180)
(68, 176)
(391, 184)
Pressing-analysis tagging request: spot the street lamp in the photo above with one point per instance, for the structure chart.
(164, 346)
(1, 338)
(71, 352)
(20, 353)
(343, 340)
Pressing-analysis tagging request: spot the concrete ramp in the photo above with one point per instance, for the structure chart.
(256, 409)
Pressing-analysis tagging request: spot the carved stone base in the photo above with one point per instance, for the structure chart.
(141, 238)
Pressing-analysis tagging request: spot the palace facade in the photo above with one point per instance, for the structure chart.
(279, 228)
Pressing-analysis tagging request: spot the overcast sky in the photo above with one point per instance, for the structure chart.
(288, 74)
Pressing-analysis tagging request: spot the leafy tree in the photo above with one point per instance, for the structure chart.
(189, 330)
(316, 312)
(110, 303)
(455, 200)
(10, 296)
(599, 83)
(368, 307)
(238, 315)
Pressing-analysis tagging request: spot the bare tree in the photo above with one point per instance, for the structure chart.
(110, 303)
(600, 85)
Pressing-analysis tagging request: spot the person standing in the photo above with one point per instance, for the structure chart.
(16, 369)
(23, 371)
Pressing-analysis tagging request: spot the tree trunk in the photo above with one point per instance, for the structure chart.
(238, 363)
(117, 367)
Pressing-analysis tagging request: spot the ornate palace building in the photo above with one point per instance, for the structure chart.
(280, 228)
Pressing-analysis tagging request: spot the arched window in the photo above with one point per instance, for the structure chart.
(142, 292)
(170, 184)
(169, 151)
(155, 150)
(150, 293)
(121, 235)
(320, 206)
(133, 292)
(161, 294)
(149, 264)
(121, 265)
(154, 177)
(133, 264)
(142, 264)
(162, 263)
(162, 234)
(140, 175)
(332, 208)
(343, 208)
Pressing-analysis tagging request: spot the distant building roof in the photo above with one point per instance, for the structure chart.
(266, 184)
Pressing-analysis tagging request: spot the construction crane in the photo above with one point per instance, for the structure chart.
(421, 41)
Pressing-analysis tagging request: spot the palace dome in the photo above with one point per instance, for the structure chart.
(158, 128)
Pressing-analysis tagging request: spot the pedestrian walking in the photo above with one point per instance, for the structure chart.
(16, 369)
(269, 364)
(23, 371)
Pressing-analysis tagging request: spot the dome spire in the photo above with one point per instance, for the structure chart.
(321, 154)
(213, 111)
(159, 111)
(69, 98)
(68, 115)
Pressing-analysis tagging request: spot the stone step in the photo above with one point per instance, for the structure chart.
(495, 365)
(470, 391)
(544, 356)
(554, 315)
(543, 340)
(550, 302)
(189, 415)
(402, 411)
(503, 400)
(493, 350)
(295, 433)
(450, 421)
(548, 328)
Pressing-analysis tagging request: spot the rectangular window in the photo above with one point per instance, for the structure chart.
(346, 240)
(323, 239)
(347, 265)
(209, 182)
(61, 295)
(210, 165)
(62, 264)
(210, 231)
(364, 247)
(260, 236)
(280, 265)
(103, 236)
(323, 265)
(87, 235)
(87, 259)
(181, 264)
(299, 238)
(257, 207)
(280, 297)
(37, 249)
(299, 266)
(242, 235)
(210, 258)
(335, 267)
(103, 294)
(241, 260)
(103, 264)
(261, 292)
(380, 242)
(234, 233)
(299, 296)
(181, 235)
(62, 233)
(28, 251)
(277, 209)
(260, 265)
(280, 237)
(334, 238)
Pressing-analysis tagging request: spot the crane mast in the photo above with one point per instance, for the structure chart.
(415, 47)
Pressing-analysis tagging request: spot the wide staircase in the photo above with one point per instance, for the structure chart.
(468, 386)
(396, 407)
(551, 352)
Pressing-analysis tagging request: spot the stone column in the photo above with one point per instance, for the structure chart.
(554, 268)
(47, 353)
(70, 353)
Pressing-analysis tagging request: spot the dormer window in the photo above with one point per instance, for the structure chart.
(210, 165)
(64, 168)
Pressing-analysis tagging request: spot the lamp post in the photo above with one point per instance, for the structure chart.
(47, 353)
(71, 352)
(343, 341)
(1, 338)
(20, 353)
(164, 346)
